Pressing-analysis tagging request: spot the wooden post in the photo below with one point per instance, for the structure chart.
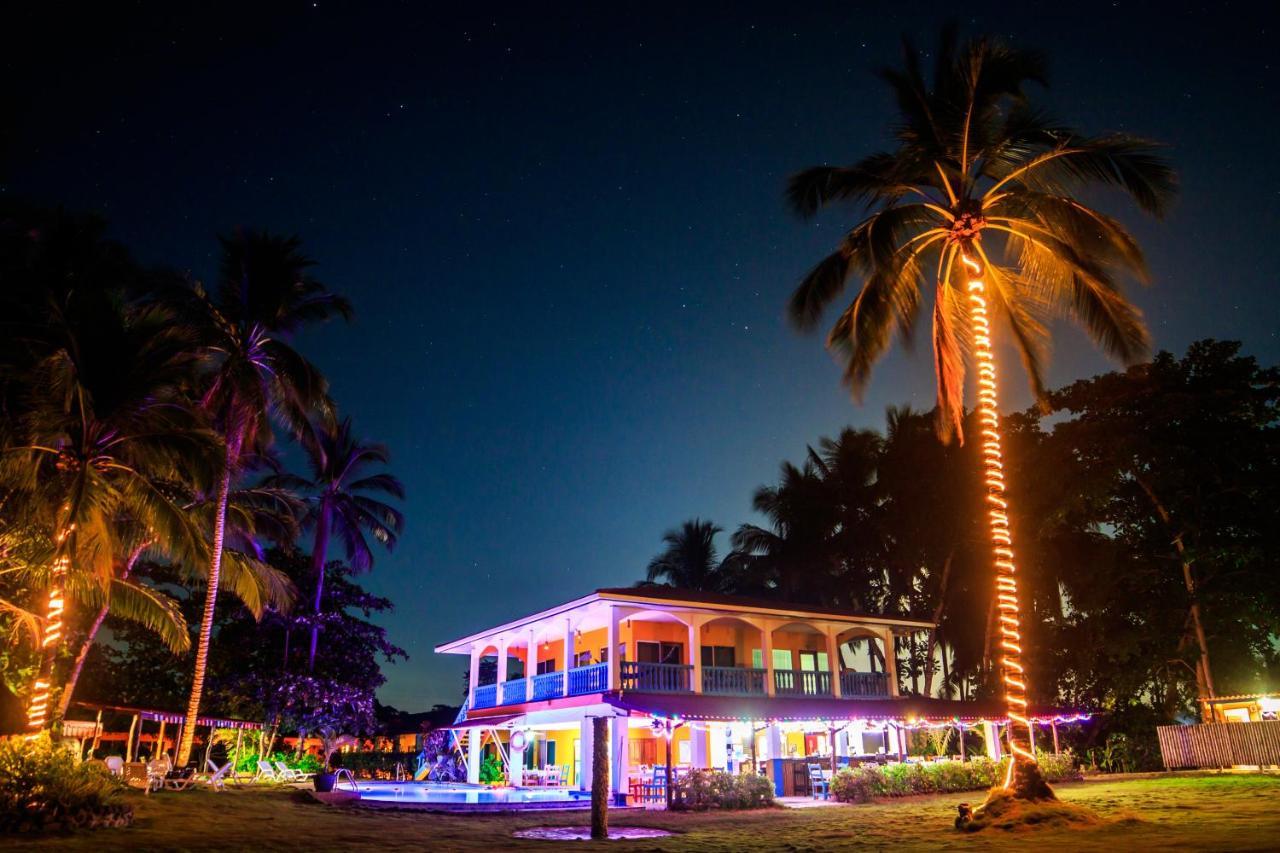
(236, 759)
(97, 734)
(669, 774)
(600, 777)
(208, 748)
(960, 729)
(1053, 725)
(161, 748)
(128, 741)
(1031, 734)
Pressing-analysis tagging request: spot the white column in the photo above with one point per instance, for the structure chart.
(766, 651)
(568, 652)
(890, 662)
(833, 661)
(842, 743)
(612, 633)
(515, 767)
(718, 734)
(773, 741)
(473, 755)
(621, 775)
(584, 729)
(502, 668)
(530, 666)
(475, 675)
(698, 746)
(695, 653)
(991, 734)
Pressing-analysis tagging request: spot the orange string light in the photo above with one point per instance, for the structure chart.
(998, 519)
(38, 708)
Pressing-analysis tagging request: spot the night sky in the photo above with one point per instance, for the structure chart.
(565, 239)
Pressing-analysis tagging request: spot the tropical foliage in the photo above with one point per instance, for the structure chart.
(867, 782)
(44, 787)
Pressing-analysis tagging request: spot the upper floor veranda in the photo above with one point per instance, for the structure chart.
(664, 640)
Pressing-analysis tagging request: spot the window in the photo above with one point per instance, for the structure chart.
(782, 659)
(582, 659)
(660, 652)
(545, 666)
(718, 656)
(757, 659)
(604, 655)
(813, 661)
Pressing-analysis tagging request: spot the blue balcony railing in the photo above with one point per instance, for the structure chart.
(655, 677)
(790, 682)
(589, 679)
(733, 680)
(486, 696)
(549, 685)
(864, 685)
(513, 691)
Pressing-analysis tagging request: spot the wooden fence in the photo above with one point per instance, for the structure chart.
(1220, 744)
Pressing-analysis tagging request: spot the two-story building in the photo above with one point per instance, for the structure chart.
(730, 680)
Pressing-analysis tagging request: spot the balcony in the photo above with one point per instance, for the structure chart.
(656, 677)
(486, 696)
(589, 679)
(790, 682)
(733, 681)
(513, 691)
(864, 685)
(549, 685)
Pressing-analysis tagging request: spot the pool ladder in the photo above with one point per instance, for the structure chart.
(344, 772)
(402, 775)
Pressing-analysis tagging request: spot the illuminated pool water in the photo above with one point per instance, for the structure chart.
(450, 797)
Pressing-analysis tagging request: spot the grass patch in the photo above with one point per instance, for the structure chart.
(1207, 812)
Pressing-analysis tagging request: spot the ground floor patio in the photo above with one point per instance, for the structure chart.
(1193, 812)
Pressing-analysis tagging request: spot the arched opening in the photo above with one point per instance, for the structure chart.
(862, 667)
(801, 661)
(731, 653)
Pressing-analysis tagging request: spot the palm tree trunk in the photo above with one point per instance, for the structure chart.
(206, 621)
(1023, 778)
(69, 690)
(317, 567)
(1189, 581)
(933, 632)
(600, 777)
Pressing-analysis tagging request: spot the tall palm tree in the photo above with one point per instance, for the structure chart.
(265, 294)
(977, 201)
(103, 433)
(690, 560)
(340, 503)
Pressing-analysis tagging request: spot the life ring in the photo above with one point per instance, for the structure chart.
(518, 740)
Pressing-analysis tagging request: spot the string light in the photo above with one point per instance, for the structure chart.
(38, 708)
(1013, 672)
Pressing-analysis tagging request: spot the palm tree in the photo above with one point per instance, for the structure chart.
(690, 560)
(264, 295)
(978, 199)
(103, 434)
(340, 503)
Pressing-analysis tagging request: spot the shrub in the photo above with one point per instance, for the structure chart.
(44, 787)
(375, 765)
(866, 782)
(491, 770)
(308, 763)
(701, 790)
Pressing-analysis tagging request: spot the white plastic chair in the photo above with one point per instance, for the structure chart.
(267, 773)
(218, 775)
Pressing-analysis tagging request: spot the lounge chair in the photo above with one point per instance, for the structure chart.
(291, 775)
(218, 775)
(180, 780)
(819, 782)
(267, 773)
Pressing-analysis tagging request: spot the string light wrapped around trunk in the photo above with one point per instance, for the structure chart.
(1013, 672)
(38, 707)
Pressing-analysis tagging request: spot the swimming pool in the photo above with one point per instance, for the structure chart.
(457, 797)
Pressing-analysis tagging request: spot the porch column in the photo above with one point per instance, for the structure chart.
(991, 734)
(833, 661)
(718, 748)
(568, 652)
(530, 665)
(695, 653)
(773, 737)
(698, 746)
(515, 759)
(620, 778)
(842, 743)
(587, 749)
(890, 662)
(473, 755)
(502, 668)
(766, 651)
(475, 675)
(612, 633)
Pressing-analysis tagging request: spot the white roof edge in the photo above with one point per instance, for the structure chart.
(787, 611)
(458, 644)
(461, 644)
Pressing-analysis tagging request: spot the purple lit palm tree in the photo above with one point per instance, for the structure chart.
(341, 503)
(265, 294)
